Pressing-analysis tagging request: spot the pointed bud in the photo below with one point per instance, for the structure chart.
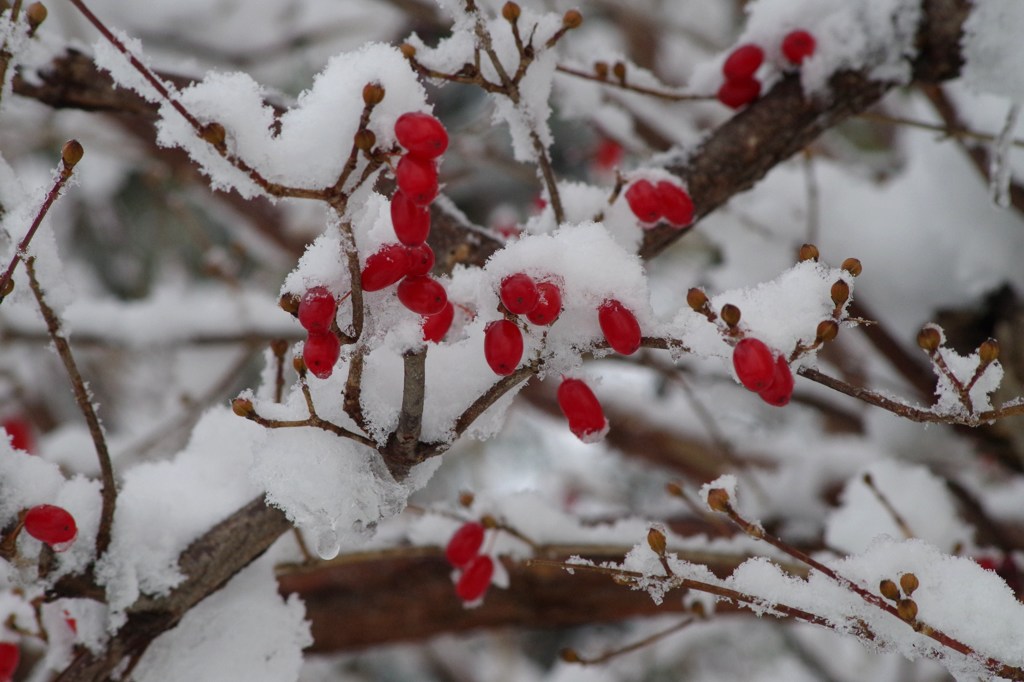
(988, 351)
(572, 19)
(656, 541)
(698, 610)
(852, 266)
(242, 407)
(718, 500)
(466, 499)
(730, 314)
(909, 583)
(907, 608)
(511, 12)
(696, 299)
(827, 330)
(71, 153)
(365, 139)
(407, 50)
(601, 70)
(299, 365)
(889, 590)
(619, 69)
(214, 133)
(840, 293)
(929, 338)
(373, 94)
(674, 489)
(807, 252)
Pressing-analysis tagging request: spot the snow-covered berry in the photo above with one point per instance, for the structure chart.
(317, 309)
(320, 353)
(675, 202)
(754, 364)
(437, 325)
(410, 220)
(798, 45)
(50, 524)
(417, 179)
(743, 62)
(739, 92)
(475, 578)
(518, 293)
(385, 267)
(503, 346)
(422, 294)
(421, 134)
(549, 304)
(465, 544)
(620, 327)
(582, 410)
(643, 200)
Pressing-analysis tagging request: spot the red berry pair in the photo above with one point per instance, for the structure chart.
(762, 372)
(653, 202)
(317, 309)
(51, 524)
(541, 302)
(582, 410)
(740, 87)
(620, 327)
(463, 552)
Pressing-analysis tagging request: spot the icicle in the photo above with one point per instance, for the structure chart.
(999, 167)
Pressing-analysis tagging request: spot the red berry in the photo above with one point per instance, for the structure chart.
(608, 155)
(549, 304)
(754, 364)
(781, 389)
(421, 260)
(317, 309)
(503, 346)
(465, 544)
(738, 93)
(411, 222)
(20, 433)
(644, 201)
(320, 353)
(676, 204)
(50, 524)
(582, 410)
(437, 325)
(519, 293)
(743, 62)
(9, 655)
(421, 134)
(620, 327)
(384, 268)
(417, 179)
(475, 579)
(422, 294)
(798, 45)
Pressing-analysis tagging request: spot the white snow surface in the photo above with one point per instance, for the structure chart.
(992, 48)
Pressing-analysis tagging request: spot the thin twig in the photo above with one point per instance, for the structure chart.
(660, 94)
(883, 500)
(947, 130)
(401, 450)
(629, 648)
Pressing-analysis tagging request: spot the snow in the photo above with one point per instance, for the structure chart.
(992, 48)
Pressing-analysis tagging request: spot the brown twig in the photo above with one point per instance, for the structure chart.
(660, 94)
(574, 657)
(401, 453)
(883, 500)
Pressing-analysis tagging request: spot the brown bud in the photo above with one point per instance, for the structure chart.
(909, 583)
(569, 655)
(697, 609)
(279, 347)
(696, 299)
(988, 351)
(852, 266)
(601, 70)
(807, 252)
(71, 153)
(242, 407)
(827, 330)
(619, 69)
(730, 314)
(365, 139)
(907, 608)
(840, 293)
(572, 19)
(511, 12)
(299, 365)
(373, 93)
(718, 500)
(656, 541)
(929, 338)
(36, 14)
(214, 133)
(889, 590)
(289, 304)
(8, 287)
(466, 498)
(488, 521)
(674, 489)
(407, 50)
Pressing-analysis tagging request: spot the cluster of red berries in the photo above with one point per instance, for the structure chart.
(663, 200)
(582, 410)
(9, 656)
(474, 569)
(410, 262)
(762, 372)
(316, 315)
(520, 294)
(741, 87)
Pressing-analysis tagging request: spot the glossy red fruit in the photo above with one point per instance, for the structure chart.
(20, 433)
(676, 204)
(422, 294)
(644, 202)
(754, 364)
(320, 353)
(421, 134)
(317, 309)
(465, 544)
(417, 179)
(503, 346)
(549, 304)
(582, 410)
(9, 655)
(384, 268)
(475, 578)
(608, 155)
(50, 524)
(421, 260)
(620, 327)
(437, 325)
(739, 93)
(518, 293)
(411, 221)
(743, 62)
(798, 45)
(779, 393)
